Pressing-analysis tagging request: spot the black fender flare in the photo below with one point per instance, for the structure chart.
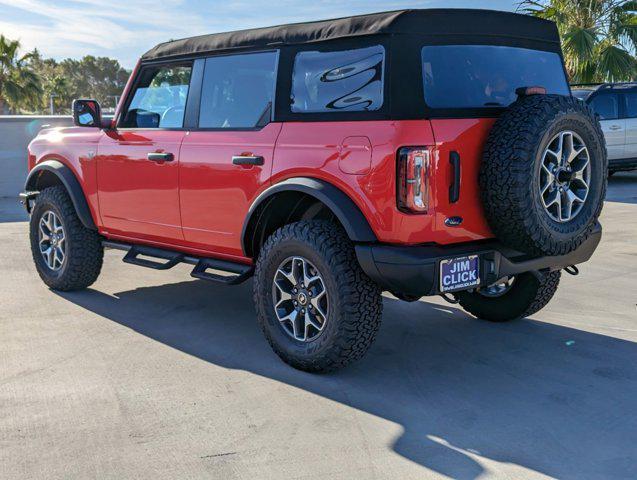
(70, 182)
(355, 224)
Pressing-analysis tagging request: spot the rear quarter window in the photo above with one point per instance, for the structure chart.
(486, 76)
(345, 80)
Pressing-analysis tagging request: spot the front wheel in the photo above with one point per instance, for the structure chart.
(316, 307)
(511, 298)
(67, 255)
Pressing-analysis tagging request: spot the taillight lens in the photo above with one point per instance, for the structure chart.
(413, 179)
(30, 161)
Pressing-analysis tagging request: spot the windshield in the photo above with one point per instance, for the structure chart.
(486, 76)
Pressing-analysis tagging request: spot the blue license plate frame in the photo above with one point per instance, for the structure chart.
(459, 273)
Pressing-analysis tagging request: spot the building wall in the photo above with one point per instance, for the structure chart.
(16, 131)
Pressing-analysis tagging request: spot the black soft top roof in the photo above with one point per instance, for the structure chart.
(427, 22)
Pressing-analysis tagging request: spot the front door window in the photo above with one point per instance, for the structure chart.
(160, 98)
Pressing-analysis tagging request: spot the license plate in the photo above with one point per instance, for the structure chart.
(459, 273)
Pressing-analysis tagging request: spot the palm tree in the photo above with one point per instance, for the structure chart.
(599, 37)
(19, 84)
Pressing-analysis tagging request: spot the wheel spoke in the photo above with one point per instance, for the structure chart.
(289, 276)
(316, 303)
(567, 204)
(309, 322)
(283, 295)
(308, 278)
(576, 153)
(48, 256)
(567, 147)
(58, 257)
(44, 234)
(49, 221)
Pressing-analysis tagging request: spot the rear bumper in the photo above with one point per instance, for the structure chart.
(414, 270)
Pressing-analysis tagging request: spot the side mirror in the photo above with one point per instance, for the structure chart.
(87, 113)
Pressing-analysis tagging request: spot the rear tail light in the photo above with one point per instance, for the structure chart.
(413, 179)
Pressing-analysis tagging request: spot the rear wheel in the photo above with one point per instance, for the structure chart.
(316, 307)
(67, 255)
(511, 298)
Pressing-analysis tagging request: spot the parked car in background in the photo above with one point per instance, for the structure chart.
(616, 105)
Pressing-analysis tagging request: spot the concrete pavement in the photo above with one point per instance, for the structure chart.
(156, 375)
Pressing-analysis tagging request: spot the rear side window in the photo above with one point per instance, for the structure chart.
(238, 91)
(346, 80)
(484, 76)
(606, 106)
(631, 105)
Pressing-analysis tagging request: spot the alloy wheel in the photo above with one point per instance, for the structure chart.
(497, 289)
(300, 299)
(52, 240)
(565, 176)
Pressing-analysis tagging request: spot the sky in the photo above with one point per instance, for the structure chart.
(125, 29)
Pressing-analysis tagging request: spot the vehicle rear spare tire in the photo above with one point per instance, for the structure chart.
(544, 173)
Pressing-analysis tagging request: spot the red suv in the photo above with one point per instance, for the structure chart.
(421, 152)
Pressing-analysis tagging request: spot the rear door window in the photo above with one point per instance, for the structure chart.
(486, 76)
(346, 80)
(631, 105)
(606, 106)
(238, 91)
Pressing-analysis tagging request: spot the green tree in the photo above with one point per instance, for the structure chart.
(20, 85)
(101, 78)
(55, 85)
(599, 37)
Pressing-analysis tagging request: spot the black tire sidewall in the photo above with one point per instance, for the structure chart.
(528, 294)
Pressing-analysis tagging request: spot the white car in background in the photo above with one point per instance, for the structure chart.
(616, 105)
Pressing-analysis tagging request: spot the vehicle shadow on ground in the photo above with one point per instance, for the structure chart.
(551, 399)
(622, 188)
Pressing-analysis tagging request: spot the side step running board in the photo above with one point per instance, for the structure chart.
(238, 272)
(132, 256)
(242, 272)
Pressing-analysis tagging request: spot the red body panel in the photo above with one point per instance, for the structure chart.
(315, 150)
(137, 196)
(76, 148)
(198, 202)
(215, 193)
(467, 137)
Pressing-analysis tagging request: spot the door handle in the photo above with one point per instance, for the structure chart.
(615, 127)
(160, 157)
(247, 160)
(454, 189)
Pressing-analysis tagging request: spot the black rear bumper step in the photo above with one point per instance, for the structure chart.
(415, 270)
(238, 272)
